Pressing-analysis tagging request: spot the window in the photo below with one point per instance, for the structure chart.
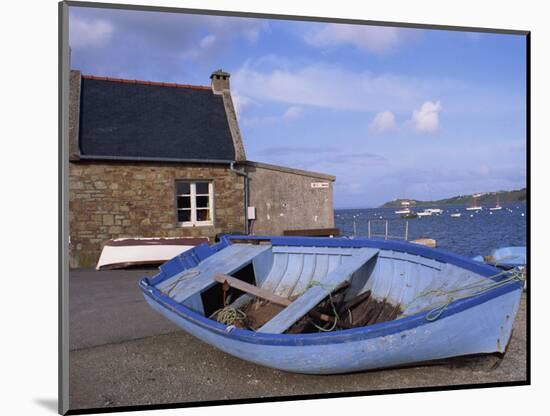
(194, 203)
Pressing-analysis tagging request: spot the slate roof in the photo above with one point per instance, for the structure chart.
(149, 120)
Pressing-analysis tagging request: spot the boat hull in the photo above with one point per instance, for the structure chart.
(474, 324)
(462, 330)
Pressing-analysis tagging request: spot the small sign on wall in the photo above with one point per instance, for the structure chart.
(319, 184)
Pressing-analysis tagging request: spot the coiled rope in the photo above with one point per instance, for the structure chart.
(229, 316)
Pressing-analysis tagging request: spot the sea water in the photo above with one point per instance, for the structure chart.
(470, 234)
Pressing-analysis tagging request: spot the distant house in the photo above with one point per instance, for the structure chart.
(151, 159)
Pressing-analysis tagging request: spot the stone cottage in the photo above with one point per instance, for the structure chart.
(153, 159)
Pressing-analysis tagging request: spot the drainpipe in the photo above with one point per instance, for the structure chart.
(245, 175)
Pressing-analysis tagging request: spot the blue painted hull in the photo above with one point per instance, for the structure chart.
(506, 257)
(470, 325)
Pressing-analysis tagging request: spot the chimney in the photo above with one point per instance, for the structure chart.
(220, 86)
(220, 81)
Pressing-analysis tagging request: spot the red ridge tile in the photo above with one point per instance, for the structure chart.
(154, 83)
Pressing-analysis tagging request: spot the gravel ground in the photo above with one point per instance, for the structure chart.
(118, 360)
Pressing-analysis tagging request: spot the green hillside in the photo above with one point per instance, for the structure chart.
(488, 198)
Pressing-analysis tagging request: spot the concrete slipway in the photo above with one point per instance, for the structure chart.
(123, 354)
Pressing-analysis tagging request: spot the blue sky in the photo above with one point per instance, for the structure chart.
(391, 112)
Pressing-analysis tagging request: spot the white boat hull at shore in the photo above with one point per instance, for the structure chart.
(125, 252)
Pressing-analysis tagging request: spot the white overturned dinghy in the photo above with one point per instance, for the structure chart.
(340, 305)
(125, 252)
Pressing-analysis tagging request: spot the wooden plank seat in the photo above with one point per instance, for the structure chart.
(226, 261)
(303, 304)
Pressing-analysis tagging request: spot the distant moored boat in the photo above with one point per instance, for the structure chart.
(424, 213)
(497, 207)
(505, 257)
(474, 206)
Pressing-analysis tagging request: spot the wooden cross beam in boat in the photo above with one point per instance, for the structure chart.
(253, 290)
(267, 295)
(306, 302)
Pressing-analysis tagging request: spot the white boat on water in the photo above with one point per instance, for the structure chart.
(497, 207)
(474, 206)
(404, 208)
(424, 213)
(434, 210)
(456, 214)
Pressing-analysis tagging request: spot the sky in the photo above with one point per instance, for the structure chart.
(391, 112)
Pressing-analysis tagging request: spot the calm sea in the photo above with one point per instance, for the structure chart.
(469, 235)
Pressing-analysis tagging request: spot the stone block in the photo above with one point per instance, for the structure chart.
(108, 219)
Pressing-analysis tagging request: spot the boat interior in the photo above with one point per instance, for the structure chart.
(298, 289)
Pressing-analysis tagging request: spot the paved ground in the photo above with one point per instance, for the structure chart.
(107, 307)
(124, 354)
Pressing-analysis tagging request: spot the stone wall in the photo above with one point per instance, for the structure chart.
(75, 79)
(285, 199)
(112, 200)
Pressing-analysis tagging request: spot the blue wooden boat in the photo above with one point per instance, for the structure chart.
(448, 305)
(505, 257)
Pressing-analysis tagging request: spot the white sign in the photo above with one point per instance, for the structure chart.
(319, 184)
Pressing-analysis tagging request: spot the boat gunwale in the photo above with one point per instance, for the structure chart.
(147, 285)
(441, 255)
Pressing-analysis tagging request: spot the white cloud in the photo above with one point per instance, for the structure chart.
(426, 118)
(241, 102)
(207, 41)
(374, 39)
(222, 34)
(293, 113)
(383, 122)
(89, 32)
(329, 86)
(206, 47)
(234, 27)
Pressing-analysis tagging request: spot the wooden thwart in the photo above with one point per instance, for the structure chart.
(251, 289)
(267, 295)
(307, 301)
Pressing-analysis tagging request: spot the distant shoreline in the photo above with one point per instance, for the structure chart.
(488, 198)
(431, 205)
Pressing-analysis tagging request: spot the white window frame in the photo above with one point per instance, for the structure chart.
(193, 195)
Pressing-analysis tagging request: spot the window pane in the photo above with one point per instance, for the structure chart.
(202, 202)
(203, 215)
(202, 188)
(183, 188)
(184, 202)
(184, 215)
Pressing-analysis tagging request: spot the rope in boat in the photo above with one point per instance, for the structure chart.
(229, 315)
(329, 290)
(481, 286)
(185, 276)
